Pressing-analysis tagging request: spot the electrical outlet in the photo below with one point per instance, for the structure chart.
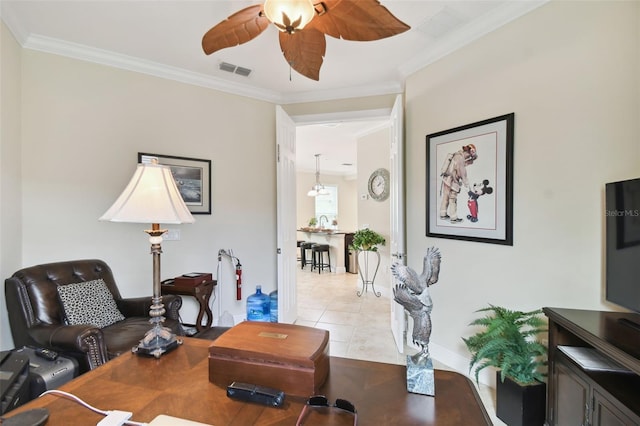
(171, 235)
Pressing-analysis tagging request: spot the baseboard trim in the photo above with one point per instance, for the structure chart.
(461, 364)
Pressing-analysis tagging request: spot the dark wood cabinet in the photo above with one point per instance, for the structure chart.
(585, 396)
(608, 412)
(572, 393)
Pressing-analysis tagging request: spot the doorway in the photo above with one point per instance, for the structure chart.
(339, 168)
(287, 195)
(344, 165)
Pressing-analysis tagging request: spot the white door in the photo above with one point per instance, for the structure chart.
(397, 236)
(286, 216)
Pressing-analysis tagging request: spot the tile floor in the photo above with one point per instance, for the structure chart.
(358, 326)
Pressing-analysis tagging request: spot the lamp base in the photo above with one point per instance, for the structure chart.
(157, 341)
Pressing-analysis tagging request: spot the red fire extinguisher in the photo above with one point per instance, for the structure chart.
(238, 280)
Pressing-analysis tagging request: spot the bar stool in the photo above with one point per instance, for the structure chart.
(304, 258)
(318, 251)
(300, 251)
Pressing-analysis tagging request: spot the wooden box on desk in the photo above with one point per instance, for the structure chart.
(192, 279)
(290, 358)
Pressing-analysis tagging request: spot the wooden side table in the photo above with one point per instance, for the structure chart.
(201, 292)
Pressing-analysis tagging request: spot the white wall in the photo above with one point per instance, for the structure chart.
(10, 169)
(343, 106)
(374, 153)
(83, 125)
(570, 71)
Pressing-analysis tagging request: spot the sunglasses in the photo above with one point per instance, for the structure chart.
(322, 401)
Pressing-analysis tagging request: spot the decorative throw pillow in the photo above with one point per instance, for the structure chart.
(89, 302)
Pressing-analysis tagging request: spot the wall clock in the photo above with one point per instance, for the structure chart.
(379, 185)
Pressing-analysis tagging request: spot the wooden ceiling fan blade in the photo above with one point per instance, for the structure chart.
(239, 28)
(357, 20)
(304, 51)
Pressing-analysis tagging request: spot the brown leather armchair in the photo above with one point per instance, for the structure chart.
(37, 317)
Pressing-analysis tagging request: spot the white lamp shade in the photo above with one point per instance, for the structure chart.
(150, 197)
(294, 10)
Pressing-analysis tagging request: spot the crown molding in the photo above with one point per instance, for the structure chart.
(130, 63)
(108, 58)
(447, 45)
(8, 17)
(493, 20)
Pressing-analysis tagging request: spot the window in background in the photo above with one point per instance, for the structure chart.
(327, 206)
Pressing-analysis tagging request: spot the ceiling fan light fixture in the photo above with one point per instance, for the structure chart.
(289, 15)
(353, 20)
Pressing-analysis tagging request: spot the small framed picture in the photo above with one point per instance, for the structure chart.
(470, 182)
(192, 176)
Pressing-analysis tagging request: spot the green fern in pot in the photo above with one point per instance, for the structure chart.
(508, 342)
(366, 239)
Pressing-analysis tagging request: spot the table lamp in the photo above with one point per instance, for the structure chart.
(152, 197)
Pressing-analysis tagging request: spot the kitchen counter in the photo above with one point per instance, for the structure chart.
(336, 241)
(324, 231)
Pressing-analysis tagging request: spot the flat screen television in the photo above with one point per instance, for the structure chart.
(622, 212)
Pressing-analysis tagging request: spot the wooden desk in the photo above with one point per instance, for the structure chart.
(202, 293)
(177, 384)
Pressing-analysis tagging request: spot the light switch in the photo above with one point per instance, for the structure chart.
(171, 235)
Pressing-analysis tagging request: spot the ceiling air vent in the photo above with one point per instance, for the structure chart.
(225, 66)
(243, 71)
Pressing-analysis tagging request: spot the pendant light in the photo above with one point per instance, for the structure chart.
(317, 188)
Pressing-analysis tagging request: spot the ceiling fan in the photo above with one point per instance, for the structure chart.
(303, 26)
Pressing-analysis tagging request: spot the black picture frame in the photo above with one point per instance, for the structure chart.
(192, 176)
(474, 213)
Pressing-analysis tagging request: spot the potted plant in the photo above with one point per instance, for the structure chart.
(313, 222)
(367, 240)
(508, 341)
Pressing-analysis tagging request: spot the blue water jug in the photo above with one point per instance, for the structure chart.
(258, 306)
(273, 306)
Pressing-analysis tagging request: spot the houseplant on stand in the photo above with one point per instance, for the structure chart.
(367, 241)
(508, 341)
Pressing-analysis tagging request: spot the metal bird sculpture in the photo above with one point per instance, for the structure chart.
(304, 47)
(413, 294)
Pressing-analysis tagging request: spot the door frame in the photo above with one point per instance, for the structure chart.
(286, 212)
(346, 116)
